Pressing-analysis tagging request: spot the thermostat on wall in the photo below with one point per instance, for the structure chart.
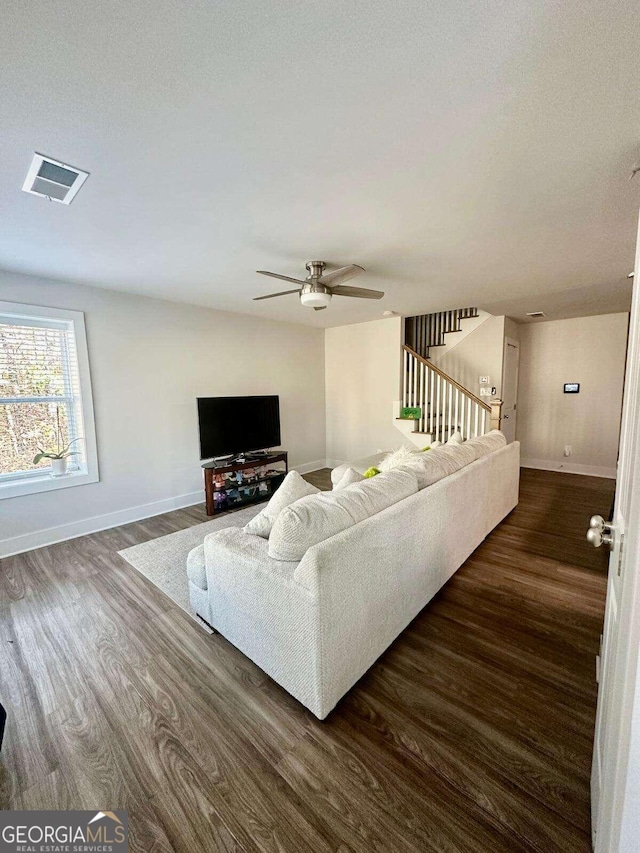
(572, 388)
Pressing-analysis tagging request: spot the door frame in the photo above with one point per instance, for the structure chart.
(514, 343)
(618, 823)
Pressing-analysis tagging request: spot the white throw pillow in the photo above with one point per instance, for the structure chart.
(316, 518)
(292, 488)
(435, 444)
(456, 438)
(399, 457)
(349, 477)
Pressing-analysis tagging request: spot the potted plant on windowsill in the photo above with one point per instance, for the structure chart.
(60, 456)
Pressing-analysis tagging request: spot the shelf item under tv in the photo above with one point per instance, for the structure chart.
(273, 480)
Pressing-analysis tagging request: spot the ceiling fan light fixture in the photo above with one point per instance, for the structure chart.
(315, 299)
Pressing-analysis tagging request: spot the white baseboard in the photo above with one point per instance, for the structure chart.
(52, 535)
(567, 467)
(333, 463)
(306, 467)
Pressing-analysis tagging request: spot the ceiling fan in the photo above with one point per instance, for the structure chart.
(318, 287)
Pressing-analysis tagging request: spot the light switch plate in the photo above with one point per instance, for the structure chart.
(484, 380)
(485, 392)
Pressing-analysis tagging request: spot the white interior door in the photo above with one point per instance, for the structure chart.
(614, 774)
(510, 362)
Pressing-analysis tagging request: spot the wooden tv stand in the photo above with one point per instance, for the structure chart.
(273, 480)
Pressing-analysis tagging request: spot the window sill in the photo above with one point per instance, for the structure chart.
(46, 483)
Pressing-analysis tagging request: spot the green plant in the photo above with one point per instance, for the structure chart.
(62, 450)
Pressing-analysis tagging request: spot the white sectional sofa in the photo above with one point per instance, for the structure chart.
(342, 573)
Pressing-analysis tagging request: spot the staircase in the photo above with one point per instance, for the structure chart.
(445, 405)
(425, 331)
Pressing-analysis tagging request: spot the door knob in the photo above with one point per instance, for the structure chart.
(599, 532)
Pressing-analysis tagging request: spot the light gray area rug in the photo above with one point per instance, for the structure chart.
(164, 560)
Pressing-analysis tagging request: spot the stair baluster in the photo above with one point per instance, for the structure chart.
(446, 407)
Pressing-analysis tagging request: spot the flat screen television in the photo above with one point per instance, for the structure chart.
(231, 425)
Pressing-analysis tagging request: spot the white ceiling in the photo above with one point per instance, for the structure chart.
(463, 152)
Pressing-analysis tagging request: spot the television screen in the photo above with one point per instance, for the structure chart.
(237, 424)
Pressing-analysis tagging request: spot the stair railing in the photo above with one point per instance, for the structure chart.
(446, 406)
(428, 330)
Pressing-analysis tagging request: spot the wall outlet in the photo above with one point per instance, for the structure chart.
(485, 392)
(567, 450)
(484, 380)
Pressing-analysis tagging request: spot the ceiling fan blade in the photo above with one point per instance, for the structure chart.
(358, 292)
(283, 277)
(272, 295)
(319, 308)
(343, 274)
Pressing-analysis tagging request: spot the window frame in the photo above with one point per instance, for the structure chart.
(20, 483)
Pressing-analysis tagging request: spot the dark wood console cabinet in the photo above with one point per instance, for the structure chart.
(250, 489)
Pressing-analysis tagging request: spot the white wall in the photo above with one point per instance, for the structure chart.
(452, 339)
(149, 361)
(362, 376)
(478, 353)
(588, 350)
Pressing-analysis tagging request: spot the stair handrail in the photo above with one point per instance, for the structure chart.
(447, 378)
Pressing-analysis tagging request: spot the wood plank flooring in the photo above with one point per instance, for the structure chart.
(472, 733)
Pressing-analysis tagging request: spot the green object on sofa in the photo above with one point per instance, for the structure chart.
(428, 447)
(371, 472)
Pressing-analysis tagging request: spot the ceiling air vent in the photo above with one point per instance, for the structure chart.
(53, 180)
(536, 314)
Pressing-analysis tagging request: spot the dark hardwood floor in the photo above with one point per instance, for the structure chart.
(471, 734)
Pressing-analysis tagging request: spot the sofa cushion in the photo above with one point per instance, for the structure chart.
(446, 457)
(359, 465)
(455, 438)
(460, 453)
(488, 442)
(196, 571)
(417, 470)
(318, 517)
(432, 469)
(292, 488)
(349, 477)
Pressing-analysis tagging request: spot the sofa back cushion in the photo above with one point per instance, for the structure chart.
(318, 517)
(434, 468)
(292, 488)
(488, 442)
(460, 454)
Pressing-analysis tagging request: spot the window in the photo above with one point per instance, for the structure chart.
(45, 399)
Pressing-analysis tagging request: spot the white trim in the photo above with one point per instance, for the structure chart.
(52, 535)
(27, 485)
(569, 468)
(334, 463)
(617, 822)
(30, 486)
(306, 467)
